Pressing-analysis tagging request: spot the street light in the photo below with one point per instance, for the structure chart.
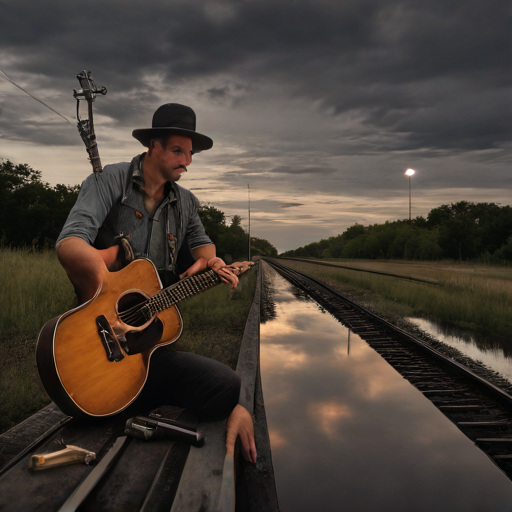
(409, 173)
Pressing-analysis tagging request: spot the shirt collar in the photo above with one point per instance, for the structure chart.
(138, 176)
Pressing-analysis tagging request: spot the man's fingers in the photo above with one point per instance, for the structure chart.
(228, 277)
(229, 273)
(248, 447)
(240, 267)
(240, 425)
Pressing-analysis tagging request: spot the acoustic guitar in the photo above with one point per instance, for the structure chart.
(94, 359)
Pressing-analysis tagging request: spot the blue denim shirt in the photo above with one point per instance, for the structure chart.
(111, 204)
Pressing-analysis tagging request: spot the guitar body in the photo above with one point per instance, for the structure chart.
(73, 359)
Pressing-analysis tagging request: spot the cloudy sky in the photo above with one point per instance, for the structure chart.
(319, 105)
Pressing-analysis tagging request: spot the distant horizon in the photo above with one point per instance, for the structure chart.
(404, 221)
(321, 112)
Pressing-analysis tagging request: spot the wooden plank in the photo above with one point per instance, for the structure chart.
(247, 366)
(199, 487)
(47, 490)
(95, 475)
(126, 487)
(28, 432)
(255, 489)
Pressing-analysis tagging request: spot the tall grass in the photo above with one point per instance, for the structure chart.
(443, 272)
(34, 288)
(467, 299)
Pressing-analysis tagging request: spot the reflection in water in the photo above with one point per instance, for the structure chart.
(348, 433)
(492, 355)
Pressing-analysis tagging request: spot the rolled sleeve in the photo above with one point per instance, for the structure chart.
(97, 195)
(197, 236)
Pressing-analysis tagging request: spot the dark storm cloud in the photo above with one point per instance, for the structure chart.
(290, 205)
(417, 75)
(218, 93)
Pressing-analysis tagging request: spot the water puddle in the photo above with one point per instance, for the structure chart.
(476, 348)
(349, 433)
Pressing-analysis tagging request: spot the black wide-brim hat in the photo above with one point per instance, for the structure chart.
(174, 119)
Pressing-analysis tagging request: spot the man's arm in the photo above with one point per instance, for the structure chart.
(84, 265)
(205, 251)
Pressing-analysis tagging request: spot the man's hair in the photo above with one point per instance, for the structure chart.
(162, 139)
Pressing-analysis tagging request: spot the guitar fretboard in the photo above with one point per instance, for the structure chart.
(181, 290)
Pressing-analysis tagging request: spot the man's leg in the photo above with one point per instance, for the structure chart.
(204, 387)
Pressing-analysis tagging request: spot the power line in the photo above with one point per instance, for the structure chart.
(33, 97)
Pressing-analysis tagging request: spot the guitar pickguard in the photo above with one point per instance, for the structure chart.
(141, 341)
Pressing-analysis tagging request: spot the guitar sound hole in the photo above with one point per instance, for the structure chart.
(129, 309)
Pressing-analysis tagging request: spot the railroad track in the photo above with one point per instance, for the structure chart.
(481, 410)
(367, 270)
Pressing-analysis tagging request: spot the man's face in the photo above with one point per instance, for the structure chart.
(173, 160)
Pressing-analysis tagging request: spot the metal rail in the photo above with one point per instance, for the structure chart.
(368, 271)
(480, 409)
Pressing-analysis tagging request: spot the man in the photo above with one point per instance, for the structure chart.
(134, 210)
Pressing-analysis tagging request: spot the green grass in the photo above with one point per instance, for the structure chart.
(34, 288)
(21, 391)
(474, 297)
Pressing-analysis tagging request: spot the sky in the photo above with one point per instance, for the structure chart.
(319, 106)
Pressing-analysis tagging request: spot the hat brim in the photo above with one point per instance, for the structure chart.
(200, 142)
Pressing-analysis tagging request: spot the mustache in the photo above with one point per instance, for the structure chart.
(181, 167)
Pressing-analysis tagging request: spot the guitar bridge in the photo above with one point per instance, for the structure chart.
(109, 339)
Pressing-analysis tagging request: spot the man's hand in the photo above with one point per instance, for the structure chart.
(228, 273)
(240, 266)
(240, 424)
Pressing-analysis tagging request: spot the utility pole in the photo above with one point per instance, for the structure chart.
(249, 207)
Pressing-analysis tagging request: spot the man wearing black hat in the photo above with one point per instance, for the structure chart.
(137, 210)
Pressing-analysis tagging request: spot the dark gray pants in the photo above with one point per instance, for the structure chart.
(205, 388)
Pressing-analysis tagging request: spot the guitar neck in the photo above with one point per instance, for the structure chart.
(181, 290)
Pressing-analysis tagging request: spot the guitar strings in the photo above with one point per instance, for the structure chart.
(134, 316)
(134, 313)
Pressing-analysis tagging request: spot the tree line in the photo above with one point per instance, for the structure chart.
(463, 231)
(32, 214)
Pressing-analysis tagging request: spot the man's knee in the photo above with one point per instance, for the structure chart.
(234, 384)
(225, 398)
